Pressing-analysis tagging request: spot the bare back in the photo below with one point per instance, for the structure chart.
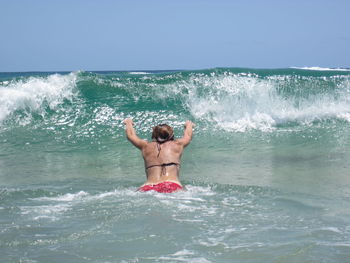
(163, 161)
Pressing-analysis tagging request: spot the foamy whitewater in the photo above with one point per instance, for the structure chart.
(267, 171)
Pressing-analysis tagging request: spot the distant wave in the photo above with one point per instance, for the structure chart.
(138, 73)
(322, 69)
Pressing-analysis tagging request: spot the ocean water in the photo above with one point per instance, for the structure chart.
(267, 171)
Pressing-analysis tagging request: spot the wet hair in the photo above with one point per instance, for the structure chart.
(162, 133)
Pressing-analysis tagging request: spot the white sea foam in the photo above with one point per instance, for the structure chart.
(64, 198)
(344, 115)
(50, 212)
(241, 103)
(52, 208)
(58, 205)
(332, 229)
(183, 256)
(322, 69)
(83, 196)
(138, 73)
(35, 93)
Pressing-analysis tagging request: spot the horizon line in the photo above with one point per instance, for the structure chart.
(168, 70)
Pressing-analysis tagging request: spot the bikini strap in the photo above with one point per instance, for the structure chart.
(159, 148)
(162, 165)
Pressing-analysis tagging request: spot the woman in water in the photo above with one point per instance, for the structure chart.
(162, 156)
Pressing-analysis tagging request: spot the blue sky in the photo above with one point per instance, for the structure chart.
(49, 35)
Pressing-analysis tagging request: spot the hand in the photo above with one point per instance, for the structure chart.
(128, 121)
(189, 123)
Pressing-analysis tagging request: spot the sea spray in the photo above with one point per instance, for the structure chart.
(35, 94)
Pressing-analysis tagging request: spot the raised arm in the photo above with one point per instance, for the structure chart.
(131, 134)
(187, 137)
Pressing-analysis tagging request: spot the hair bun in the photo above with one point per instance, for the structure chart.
(162, 133)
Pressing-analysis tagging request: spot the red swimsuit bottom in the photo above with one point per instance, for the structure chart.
(163, 187)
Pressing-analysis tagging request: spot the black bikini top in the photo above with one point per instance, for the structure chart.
(162, 165)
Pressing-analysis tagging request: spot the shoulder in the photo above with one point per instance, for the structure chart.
(147, 145)
(184, 141)
(179, 142)
(140, 143)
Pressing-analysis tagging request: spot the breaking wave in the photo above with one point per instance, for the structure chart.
(235, 100)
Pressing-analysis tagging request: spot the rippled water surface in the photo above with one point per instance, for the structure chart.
(267, 172)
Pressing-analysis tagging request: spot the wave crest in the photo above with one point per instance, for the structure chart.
(244, 102)
(34, 94)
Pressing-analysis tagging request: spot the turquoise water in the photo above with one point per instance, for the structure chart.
(267, 171)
